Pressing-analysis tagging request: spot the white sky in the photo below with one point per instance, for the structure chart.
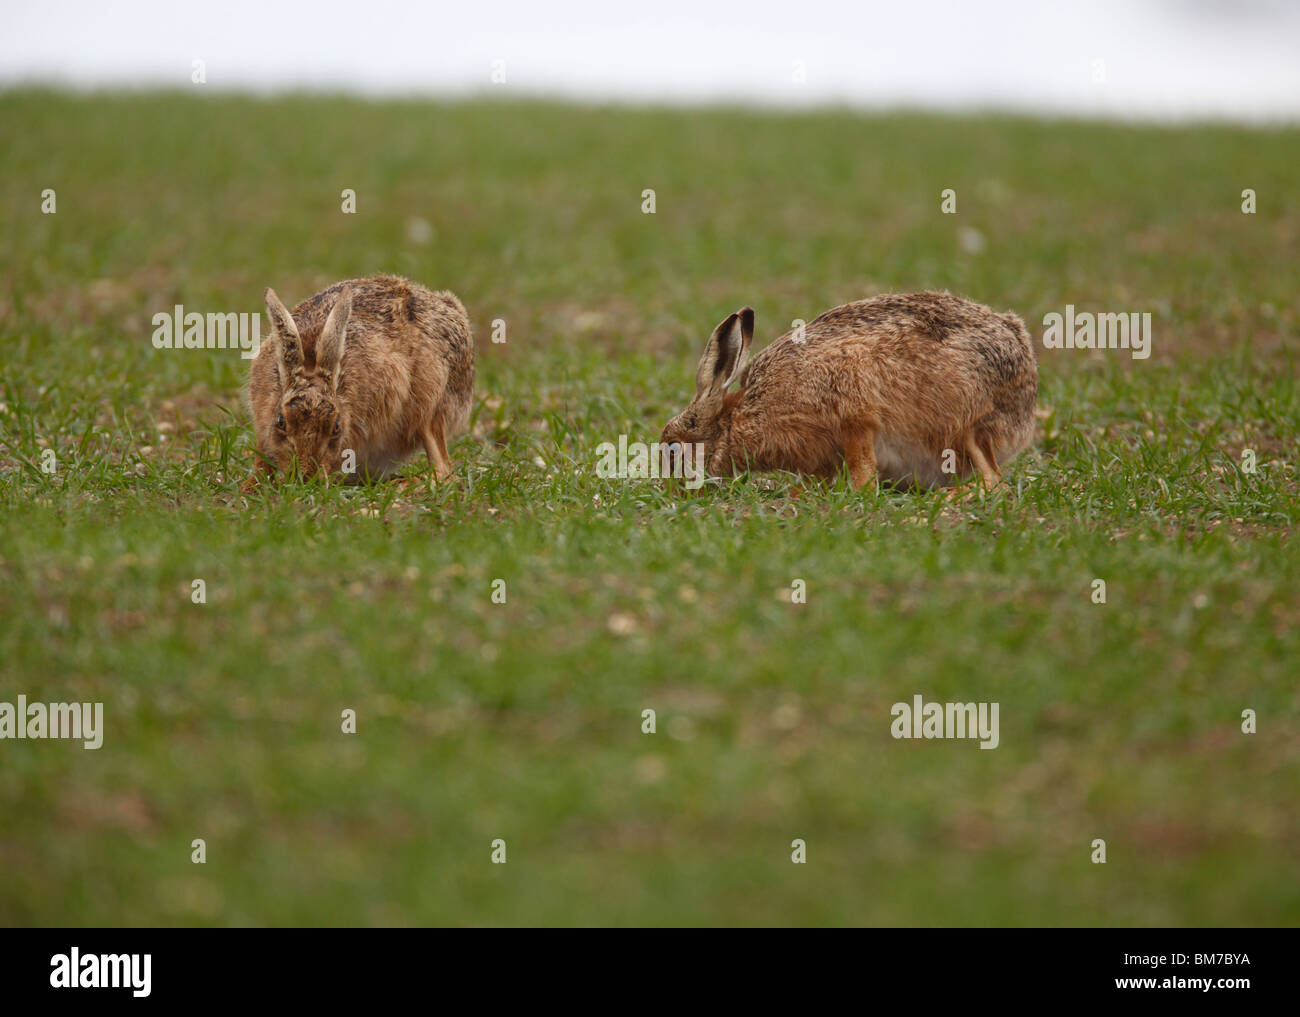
(1237, 59)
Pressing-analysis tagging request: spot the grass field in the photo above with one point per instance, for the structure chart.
(522, 721)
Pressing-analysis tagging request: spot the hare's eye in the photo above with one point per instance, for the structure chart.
(338, 428)
(279, 422)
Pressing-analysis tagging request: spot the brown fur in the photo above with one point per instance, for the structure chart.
(380, 366)
(884, 386)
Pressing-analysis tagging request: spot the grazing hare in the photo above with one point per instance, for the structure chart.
(906, 388)
(374, 367)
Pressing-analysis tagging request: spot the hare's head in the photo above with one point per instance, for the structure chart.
(312, 423)
(699, 432)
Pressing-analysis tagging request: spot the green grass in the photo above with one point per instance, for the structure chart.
(522, 720)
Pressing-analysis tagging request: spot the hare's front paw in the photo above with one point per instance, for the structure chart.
(255, 479)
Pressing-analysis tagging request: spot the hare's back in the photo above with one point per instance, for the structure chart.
(927, 322)
(378, 304)
(913, 339)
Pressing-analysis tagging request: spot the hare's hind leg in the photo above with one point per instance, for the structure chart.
(435, 445)
(981, 455)
(860, 455)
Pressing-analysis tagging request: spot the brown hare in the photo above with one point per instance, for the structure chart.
(915, 389)
(372, 367)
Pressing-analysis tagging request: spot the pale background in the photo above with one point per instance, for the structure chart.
(1204, 59)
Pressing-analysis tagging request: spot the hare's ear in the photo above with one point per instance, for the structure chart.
(288, 345)
(725, 355)
(329, 347)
